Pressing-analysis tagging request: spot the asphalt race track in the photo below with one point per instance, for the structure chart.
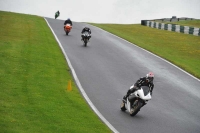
(110, 65)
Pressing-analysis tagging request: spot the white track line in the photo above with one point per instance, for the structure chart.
(79, 85)
(152, 54)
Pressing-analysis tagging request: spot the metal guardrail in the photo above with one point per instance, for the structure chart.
(173, 19)
(157, 23)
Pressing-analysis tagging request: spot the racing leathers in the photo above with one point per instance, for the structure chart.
(68, 21)
(143, 81)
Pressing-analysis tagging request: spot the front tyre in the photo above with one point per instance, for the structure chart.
(85, 42)
(135, 109)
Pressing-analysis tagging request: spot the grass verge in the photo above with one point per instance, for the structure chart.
(182, 50)
(33, 80)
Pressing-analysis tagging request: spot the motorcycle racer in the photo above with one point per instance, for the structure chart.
(68, 21)
(143, 81)
(57, 14)
(86, 29)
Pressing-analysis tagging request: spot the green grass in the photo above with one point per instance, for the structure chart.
(33, 80)
(178, 48)
(190, 23)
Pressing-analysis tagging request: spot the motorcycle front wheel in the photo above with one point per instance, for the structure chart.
(85, 42)
(135, 109)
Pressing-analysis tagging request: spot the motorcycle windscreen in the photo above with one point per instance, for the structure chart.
(145, 90)
(86, 33)
(68, 25)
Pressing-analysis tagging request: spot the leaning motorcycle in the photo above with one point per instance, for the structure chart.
(136, 100)
(85, 37)
(56, 15)
(67, 28)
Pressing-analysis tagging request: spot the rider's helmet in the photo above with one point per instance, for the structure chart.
(68, 19)
(150, 76)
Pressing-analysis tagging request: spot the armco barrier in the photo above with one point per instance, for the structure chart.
(172, 27)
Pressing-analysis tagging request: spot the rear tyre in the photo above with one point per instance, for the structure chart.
(67, 33)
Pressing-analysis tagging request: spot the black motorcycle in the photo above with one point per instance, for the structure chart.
(85, 38)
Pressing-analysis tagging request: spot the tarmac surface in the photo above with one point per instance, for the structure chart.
(109, 65)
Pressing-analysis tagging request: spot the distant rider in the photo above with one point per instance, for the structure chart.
(86, 29)
(57, 14)
(143, 81)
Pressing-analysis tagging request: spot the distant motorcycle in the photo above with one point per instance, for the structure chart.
(85, 37)
(56, 15)
(67, 28)
(136, 100)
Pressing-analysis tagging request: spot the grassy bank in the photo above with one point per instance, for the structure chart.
(33, 80)
(182, 50)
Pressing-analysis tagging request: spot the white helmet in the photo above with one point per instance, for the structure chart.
(150, 76)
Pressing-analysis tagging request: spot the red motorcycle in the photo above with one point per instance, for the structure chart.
(67, 28)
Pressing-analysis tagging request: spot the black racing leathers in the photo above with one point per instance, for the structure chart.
(68, 22)
(140, 82)
(86, 29)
